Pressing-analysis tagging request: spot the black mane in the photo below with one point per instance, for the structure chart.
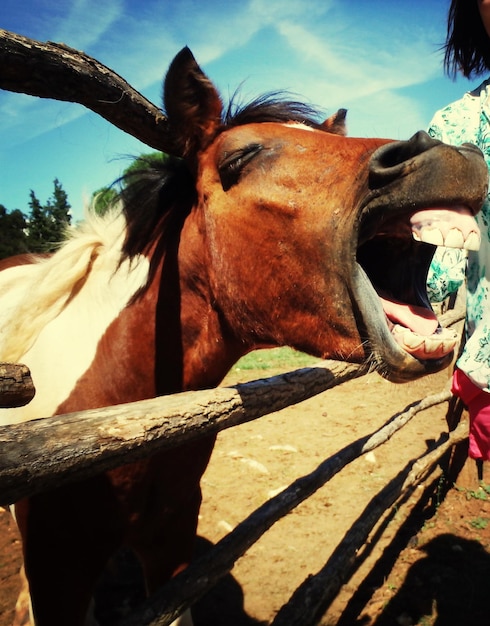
(157, 197)
(271, 107)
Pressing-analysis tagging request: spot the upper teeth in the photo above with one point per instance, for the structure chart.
(452, 228)
(453, 239)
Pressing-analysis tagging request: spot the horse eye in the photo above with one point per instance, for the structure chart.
(231, 166)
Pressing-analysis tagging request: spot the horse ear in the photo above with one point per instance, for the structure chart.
(192, 104)
(336, 123)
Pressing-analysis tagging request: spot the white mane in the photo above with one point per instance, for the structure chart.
(33, 295)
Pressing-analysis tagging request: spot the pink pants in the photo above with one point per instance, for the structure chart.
(478, 402)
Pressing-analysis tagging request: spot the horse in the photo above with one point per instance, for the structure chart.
(262, 227)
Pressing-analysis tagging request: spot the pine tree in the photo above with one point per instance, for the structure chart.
(47, 224)
(13, 239)
(58, 215)
(37, 225)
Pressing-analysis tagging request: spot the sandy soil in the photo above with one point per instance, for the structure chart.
(430, 567)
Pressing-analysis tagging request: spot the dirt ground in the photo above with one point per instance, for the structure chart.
(432, 565)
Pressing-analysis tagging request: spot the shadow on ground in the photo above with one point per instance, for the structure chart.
(450, 583)
(121, 590)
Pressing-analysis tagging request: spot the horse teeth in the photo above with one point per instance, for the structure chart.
(412, 341)
(449, 345)
(432, 346)
(472, 241)
(442, 342)
(454, 239)
(431, 235)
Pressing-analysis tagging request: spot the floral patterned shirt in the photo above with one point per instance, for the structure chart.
(468, 120)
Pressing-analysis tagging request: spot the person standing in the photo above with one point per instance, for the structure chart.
(467, 51)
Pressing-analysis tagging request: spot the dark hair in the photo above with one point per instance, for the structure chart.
(467, 47)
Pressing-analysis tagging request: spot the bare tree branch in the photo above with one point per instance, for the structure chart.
(52, 70)
(16, 386)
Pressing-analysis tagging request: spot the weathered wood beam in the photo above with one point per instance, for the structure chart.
(16, 386)
(42, 454)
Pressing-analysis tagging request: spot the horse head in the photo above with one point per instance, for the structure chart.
(317, 240)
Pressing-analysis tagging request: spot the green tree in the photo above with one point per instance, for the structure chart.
(38, 225)
(143, 162)
(46, 225)
(13, 238)
(104, 198)
(59, 209)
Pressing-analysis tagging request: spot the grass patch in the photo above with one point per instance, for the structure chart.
(479, 523)
(482, 493)
(274, 359)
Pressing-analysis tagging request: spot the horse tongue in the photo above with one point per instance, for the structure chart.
(418, 319)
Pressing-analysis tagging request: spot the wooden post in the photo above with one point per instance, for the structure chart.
(16, 386)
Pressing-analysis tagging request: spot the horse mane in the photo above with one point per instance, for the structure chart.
(48, 284)
(271, 107)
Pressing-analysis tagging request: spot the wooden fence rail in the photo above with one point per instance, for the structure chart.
(44, 446)
(41, 454)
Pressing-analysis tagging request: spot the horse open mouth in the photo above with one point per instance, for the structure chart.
(393, 258)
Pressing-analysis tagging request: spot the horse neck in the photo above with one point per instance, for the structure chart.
(209, 350)
(196, 336)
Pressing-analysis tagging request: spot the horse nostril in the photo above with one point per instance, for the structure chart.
(389, 161)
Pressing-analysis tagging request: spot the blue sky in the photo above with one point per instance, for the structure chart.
(380, 59)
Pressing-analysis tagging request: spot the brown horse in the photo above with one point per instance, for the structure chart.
(264, 228)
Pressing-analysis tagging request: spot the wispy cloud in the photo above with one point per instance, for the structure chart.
(357, 63)
(362, 64)
(310, 11)
(87, 21)
(24, 117)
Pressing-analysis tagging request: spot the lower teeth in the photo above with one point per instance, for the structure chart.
(442, 342)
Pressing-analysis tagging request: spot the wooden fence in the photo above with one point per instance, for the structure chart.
(53, 451)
